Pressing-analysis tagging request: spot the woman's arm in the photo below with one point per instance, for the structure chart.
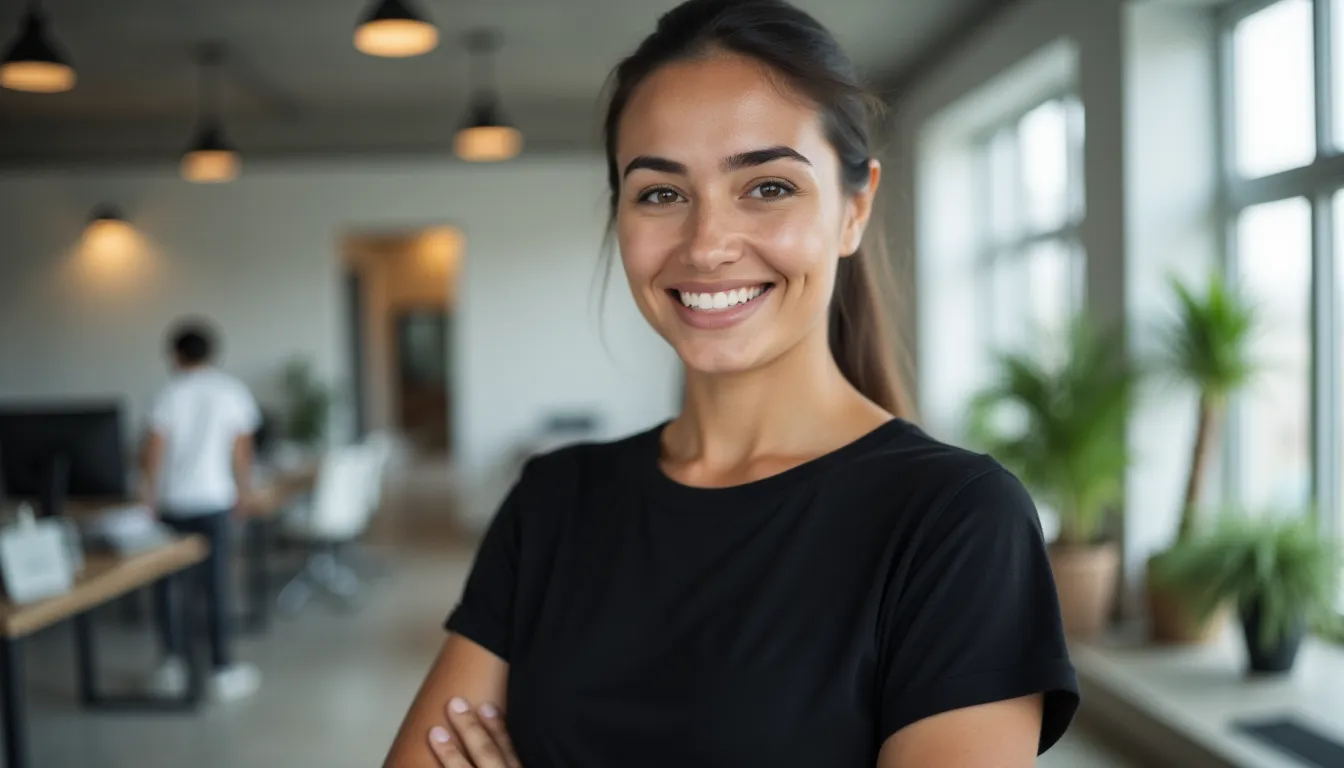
(1004, 734)
(462, 668)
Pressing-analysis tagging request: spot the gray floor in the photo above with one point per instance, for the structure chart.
(336, 685)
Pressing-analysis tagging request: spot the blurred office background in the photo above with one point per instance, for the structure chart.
(385, 282)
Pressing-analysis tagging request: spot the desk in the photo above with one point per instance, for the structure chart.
(268, 500)
(104, 578)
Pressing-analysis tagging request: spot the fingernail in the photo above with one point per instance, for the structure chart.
(440, 734)
(488, 710)
(459, 705)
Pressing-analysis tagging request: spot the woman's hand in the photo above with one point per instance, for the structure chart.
(477, 739)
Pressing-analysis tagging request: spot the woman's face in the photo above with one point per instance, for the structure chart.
(731, 215)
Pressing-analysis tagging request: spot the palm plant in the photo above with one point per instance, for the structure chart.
(1068, 439)
(1278, 567)
(1208, 345)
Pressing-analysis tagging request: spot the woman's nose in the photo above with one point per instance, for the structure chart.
(714, 240)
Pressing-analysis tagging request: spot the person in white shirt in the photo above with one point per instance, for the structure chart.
(197, 466)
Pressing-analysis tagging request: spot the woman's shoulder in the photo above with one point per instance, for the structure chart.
(579, 462)
(930, 478)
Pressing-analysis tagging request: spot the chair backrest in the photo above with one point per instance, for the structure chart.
(380, 447)
(340, 509)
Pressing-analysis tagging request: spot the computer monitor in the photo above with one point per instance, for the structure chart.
(52, 450)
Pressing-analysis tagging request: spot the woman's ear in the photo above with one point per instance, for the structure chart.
(858, 210)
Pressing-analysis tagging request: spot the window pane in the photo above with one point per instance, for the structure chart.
(1273, 89)
(1003, 196)
(1337, 71)
(1274, 260)
(1054, 281)
(1008, 322)
(1034, 296)
(1044, 136)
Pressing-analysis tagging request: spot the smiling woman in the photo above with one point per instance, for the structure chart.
(789, 572)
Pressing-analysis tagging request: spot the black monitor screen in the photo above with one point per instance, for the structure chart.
(86, 438)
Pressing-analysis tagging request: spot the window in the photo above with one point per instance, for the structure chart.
(1033, 263)
(1274, 263)
(1273, 86)
(1283, 92)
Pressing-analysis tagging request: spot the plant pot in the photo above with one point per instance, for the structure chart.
(1172, 622)
(1085, 578)
(1277, 657)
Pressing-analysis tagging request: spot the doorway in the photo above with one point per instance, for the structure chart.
(402, 291)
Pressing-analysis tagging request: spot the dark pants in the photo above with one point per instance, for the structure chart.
(215, 527)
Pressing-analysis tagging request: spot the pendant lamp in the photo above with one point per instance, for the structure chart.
(32, 62)
(211, 159)
(392, 28)
(485, 136)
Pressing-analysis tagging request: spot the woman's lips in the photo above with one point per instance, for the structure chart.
(716, 309)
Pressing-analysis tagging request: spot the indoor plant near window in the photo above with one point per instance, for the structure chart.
(1278, 570)
(1206, 346)
(1061, 428)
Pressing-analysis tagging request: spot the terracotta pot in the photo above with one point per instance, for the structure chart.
(1086, 580)
(1172, 622)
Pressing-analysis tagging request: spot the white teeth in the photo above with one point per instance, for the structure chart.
(722, 299)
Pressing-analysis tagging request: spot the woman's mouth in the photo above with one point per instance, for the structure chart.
(722, 300)
(717, 310)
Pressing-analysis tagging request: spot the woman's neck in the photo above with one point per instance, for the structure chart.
(739, 427)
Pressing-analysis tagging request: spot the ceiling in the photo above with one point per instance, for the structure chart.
(293, 82)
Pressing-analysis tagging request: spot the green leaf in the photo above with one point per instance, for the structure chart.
(1061, 426)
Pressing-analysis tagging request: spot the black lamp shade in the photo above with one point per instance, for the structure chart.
(393, 29)
(33, 44)
(392, 10)
(107, 213)
(33, 63)
(484, 113)
(210, 138)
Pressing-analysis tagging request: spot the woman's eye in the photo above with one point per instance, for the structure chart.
(660, 197)
(770, 190)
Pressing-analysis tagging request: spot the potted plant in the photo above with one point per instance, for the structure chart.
(1279, 572)
(1207, 346)
(308, 406)
(1065, 439)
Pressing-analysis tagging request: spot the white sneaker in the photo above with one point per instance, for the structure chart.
(169, 680)
(237, 681)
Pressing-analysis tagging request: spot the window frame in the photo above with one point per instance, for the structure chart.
(1317, 182)
(992, 252)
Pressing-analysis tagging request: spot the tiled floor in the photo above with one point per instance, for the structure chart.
(336, 685)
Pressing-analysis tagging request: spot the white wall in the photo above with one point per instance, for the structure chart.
(1143, 72)
(261, 257)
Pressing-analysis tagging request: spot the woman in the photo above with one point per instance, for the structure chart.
(786, 573)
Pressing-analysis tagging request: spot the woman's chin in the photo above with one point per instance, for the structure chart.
(718, 358)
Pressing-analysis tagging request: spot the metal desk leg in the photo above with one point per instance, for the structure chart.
(16, 737)
(86, 661)
(260, 543)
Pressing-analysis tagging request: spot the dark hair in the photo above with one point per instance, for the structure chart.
(192, 342)
(809, 61)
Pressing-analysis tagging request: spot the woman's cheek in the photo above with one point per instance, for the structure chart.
(794, 246)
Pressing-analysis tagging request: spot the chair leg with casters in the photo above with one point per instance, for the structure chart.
(324, 573)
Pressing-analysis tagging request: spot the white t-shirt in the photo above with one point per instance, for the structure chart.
(199, 415)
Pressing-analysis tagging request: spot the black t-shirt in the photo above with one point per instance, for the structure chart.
(796, 620)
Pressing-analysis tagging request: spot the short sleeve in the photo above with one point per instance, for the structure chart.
(246, 410)
(484, 614)
(160, 413)
(971, 615)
